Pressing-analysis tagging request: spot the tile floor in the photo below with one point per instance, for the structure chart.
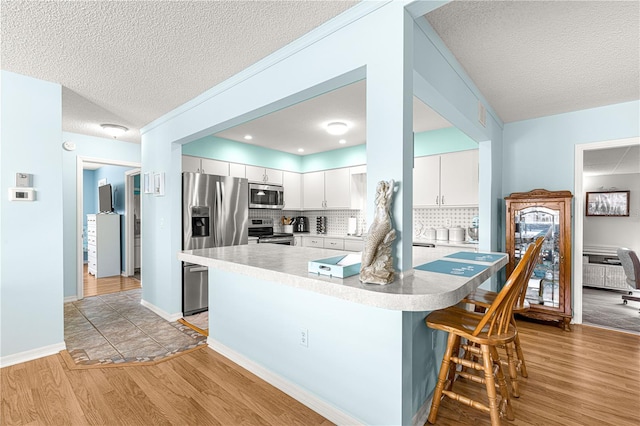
(604, 308)
(116, 328)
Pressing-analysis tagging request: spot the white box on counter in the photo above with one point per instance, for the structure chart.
(339, 266)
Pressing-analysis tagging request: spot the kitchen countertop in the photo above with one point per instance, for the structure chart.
(462, 244)
(419, 291)
(314, 235)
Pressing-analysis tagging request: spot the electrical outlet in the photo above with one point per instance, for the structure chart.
(304, 337)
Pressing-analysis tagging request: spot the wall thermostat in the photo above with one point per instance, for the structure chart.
(22, 194)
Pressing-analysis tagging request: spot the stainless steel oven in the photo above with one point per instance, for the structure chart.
(262, 230)
(263, 196)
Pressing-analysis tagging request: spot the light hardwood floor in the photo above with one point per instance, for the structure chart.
(588, 376)
(97, 286)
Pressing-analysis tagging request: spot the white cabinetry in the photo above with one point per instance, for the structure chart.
(292, 184)
(446, 180)
(237, 170)
(358, 183)
(353, 245)
(313, 242)
(103, 235)
(604, 276)
(261, 174)
(204, 165)
(334, 243)
(330, 189)
(426, 181)
(313, 190)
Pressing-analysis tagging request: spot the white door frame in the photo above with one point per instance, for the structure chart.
(578, 191)
(80, 160)
(129, 245)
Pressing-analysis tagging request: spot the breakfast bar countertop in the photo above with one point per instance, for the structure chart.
(417, 291)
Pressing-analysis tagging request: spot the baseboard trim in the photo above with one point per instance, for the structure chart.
(299, 394)
(420, 418)
(70, 299)
(167, 316)
(31, 354)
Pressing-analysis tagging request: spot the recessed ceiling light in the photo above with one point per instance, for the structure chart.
(248, 137)
(300, 150)
(342, 141)
(337, 128)
(114, 130)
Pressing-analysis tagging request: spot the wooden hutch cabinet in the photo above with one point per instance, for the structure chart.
(543, 213)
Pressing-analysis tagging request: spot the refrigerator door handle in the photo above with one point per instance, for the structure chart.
(197, 269)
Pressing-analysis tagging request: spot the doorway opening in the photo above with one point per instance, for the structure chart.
(586, 240)
(119, 223)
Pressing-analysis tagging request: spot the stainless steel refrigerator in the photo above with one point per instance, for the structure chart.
(215, 213)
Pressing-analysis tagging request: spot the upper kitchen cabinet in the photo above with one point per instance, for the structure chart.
(358, 187)
(447, 180)
(261, 174)
(204, 165)
(426, 181)
(292, 183)
(329, 189)
(237, 170)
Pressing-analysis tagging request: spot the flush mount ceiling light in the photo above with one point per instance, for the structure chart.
(248, 137)
(337, 128)
(342, 141)
(300, 150)
(114, 130)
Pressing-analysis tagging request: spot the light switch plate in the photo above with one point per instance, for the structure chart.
(24, 180)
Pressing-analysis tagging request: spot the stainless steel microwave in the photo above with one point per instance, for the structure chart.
(263, 196)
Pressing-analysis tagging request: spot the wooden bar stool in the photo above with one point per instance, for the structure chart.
(487, 330)
(484, 298)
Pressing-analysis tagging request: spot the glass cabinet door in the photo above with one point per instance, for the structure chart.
(530, 223)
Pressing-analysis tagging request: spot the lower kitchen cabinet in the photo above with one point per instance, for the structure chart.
(353, 245)
(334, 243)
(313, 242)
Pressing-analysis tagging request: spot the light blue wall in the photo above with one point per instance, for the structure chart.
(243, 153)
(87, 147)
(354, 357)
(425, 143)
(31, 295)
(441, 141)
(539, 153)
(344, 157)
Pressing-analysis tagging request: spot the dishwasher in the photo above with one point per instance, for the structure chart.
(195, 288)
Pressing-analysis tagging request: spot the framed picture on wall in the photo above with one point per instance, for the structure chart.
(608, 203)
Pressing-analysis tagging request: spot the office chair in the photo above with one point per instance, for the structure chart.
(631, 266)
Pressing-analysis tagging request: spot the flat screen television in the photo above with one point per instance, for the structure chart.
(105, 199)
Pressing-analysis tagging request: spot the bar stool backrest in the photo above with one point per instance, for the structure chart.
(498, 315)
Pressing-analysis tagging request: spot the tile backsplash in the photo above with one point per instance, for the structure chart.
(444, 217)
(337, 220)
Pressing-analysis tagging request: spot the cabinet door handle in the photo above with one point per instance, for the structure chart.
(442, 203)
(437, 200)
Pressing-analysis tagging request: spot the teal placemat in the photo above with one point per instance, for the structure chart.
(452, 268)
(478, 257)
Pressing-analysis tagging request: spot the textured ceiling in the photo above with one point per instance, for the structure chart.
(129, 62)
(537, 58)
